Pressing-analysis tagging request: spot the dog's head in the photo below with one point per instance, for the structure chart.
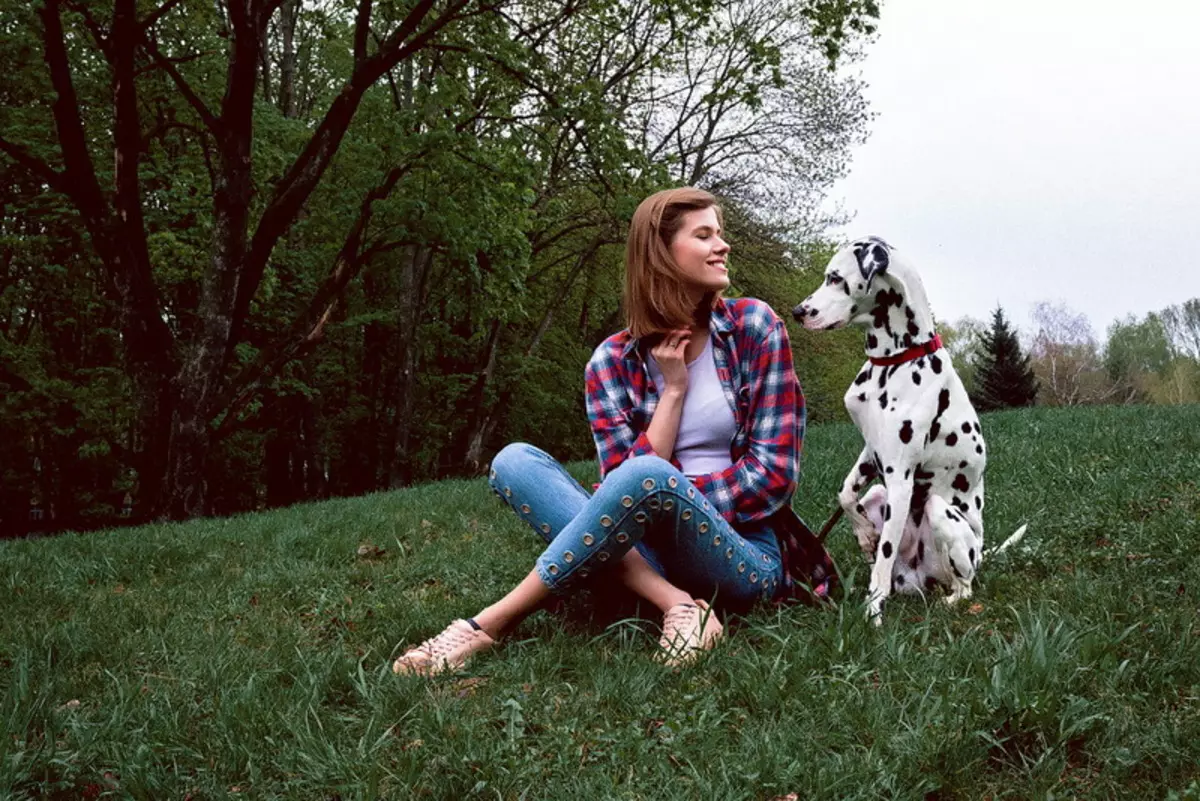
(844, 297)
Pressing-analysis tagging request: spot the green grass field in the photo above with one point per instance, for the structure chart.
(249, 657)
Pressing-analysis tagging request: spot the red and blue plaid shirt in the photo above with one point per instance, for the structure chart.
(754, 363)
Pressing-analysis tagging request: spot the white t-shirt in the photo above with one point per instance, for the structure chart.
(706, 425)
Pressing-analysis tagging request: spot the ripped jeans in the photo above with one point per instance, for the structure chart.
(647, 504)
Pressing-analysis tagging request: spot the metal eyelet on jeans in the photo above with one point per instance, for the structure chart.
(525, 508)
(687, 514)
(691, 492)
(766, 559)
(588, 539)
(622, 536)
(553, 570)
(627, 501)
(654, 503)
(703, 528)
(648, 484)
(545, 528)
(728, 553)
(603, 556)
(668, 504)
(640, 517)
(672, 482)
(741, 567)
(493, 475)
(753, 577)
(606, 521)
(584, 572)
(508, 492)
(568, 556)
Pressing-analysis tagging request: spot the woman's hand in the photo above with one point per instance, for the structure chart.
(670, 357)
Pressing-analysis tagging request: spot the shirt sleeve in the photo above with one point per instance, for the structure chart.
(610, 413)
(763, 480)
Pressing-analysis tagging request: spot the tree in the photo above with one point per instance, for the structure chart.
(1135, 353)
(1004, 378)
(1066, 359)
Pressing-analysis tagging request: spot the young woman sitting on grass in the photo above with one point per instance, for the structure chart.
(698, 419)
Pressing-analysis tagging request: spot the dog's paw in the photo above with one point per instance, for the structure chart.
(868, 541)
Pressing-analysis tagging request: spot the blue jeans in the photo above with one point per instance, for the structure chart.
(647, 504)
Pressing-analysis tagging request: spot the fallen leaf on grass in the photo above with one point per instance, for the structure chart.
(788, 797)
(117, 590)
(412, 744)
(370, 551)
(975, 609)
(72, 705)
(466, 687)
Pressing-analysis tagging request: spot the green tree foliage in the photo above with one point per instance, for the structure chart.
(1004, 377)
(270, 250)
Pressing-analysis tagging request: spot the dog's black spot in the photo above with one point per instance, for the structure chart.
(954, 567)
(812, 312)
(961, 484)
(908, 312)
(935, 363)
(889, 470)
(921, 551)
(887, 550)
(978, 502)
(872, 341)
(907, 472)
(962, 464)
(846, 288)
(883, 378)
(867, 469)
(934, 428)
(922, 473)
(899, 581)
(966, 428)
(971, 555)
(853, 309)
(906, 431)
(916, 377)
(959, 503)
(862, 397)
(914, 563)
(863, 377)
(943, 403)
(916, 509)
(921, 363)
(978, 430)
(930, 584)
(979, 449)
(883, 400)
(831, 326)
(887, 512)
(860, 286)
(950, 514)
(862, 510)
(912, 328)
(951, 439)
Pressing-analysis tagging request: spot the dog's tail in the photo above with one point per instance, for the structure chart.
(1016, 537)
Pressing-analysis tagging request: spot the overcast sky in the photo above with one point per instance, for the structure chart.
(1027, 151)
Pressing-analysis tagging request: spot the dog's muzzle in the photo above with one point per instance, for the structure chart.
(802, 311)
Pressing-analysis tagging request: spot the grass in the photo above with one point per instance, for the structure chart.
(249, 656)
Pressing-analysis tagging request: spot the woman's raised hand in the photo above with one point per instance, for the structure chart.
(670, 357)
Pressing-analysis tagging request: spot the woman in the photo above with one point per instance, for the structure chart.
(698, 421)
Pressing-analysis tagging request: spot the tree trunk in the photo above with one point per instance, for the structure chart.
(412, 291)
(289, 14)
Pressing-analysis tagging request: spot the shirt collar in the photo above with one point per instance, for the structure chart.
(720, 322)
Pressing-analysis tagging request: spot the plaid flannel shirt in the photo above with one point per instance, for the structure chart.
(754, 363)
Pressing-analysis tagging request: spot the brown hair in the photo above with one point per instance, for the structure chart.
(656, 301)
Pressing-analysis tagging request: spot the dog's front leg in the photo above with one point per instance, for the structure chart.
(899, 496)
(860, 476)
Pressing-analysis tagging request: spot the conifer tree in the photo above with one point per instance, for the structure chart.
(1003, 378)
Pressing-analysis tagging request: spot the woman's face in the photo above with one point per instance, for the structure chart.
(700, 252)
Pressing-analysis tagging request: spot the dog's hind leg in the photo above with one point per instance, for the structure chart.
(895, 516)
(860, 476)
(957, 544)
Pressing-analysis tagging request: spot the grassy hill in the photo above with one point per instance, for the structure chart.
(249, 656)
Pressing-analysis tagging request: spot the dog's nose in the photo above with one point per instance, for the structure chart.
(800, 312)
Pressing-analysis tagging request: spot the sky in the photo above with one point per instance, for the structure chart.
(1026, 151)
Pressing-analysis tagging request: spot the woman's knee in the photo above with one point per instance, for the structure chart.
(512, 458)
(645, 467)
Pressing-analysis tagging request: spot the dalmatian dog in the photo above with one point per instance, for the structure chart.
(922, 526)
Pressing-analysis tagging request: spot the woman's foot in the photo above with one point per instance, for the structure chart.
(448, 651)
(688, 629)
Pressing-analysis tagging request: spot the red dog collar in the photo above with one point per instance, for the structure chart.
(912, 354)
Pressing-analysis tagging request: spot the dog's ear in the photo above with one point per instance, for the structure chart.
(872, 258)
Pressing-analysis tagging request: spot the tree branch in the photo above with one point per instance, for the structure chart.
(206, 116)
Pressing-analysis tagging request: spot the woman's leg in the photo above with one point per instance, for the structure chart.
(544, 495)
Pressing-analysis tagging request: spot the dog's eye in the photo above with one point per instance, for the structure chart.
(832, 279)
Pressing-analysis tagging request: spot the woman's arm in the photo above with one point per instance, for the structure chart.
(609, 412)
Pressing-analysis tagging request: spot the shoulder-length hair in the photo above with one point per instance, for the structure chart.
(656, 300)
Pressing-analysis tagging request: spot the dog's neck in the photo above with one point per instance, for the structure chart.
(900, 312)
